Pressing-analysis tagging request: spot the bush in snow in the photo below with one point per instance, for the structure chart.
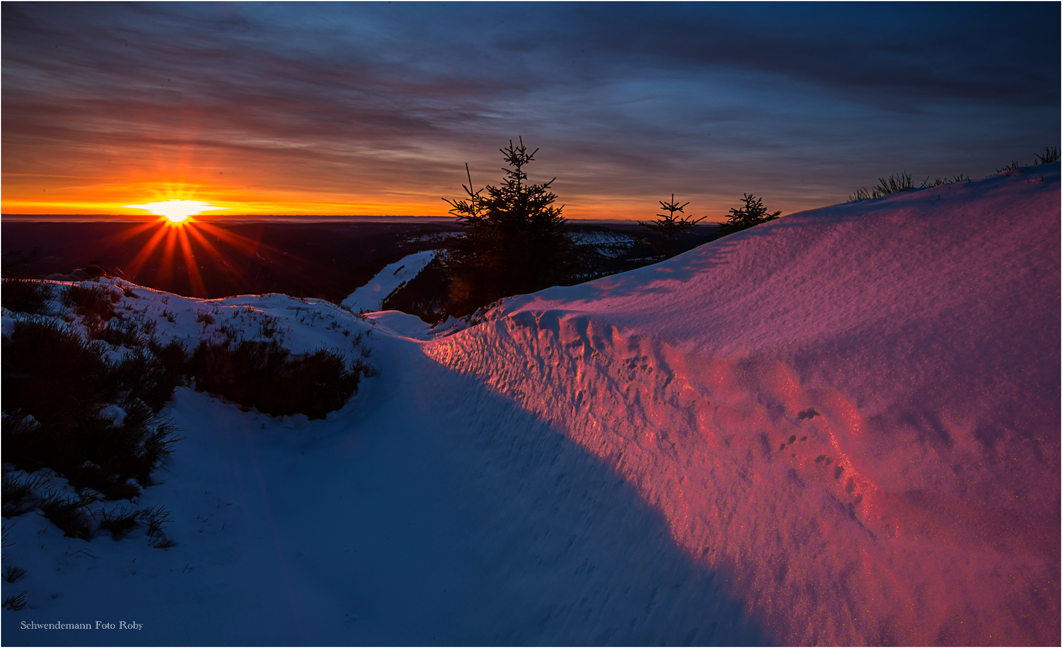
(16, 602)
(893, 184)
(25, 296)
(147, 376)
(19, 494)
(68, 513)
(69, 409)
(122, 333)
(1050, 155)
(266, 376)
(92, 302)
(118, 522)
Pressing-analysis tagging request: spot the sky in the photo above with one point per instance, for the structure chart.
(374, 108)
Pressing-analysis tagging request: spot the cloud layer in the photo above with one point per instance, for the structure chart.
(374, 108)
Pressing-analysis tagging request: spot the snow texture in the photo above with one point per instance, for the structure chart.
(838, 428)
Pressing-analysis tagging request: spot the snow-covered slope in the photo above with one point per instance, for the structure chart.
(372, 295)
(838, 428)
(852, 413)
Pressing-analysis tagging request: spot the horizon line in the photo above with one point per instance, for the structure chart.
(220, 218)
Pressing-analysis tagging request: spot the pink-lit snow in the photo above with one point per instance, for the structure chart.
(852, 412)
(841, 427)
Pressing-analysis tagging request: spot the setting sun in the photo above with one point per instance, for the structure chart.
(176, 211)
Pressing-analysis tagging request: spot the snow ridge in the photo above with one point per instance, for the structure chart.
(877, 469)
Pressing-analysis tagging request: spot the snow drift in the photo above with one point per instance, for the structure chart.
(853, 412)
(838, 428)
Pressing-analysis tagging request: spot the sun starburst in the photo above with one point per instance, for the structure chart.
(176, 211)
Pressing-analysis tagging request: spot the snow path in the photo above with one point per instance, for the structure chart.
(408, 520)
(371, 296)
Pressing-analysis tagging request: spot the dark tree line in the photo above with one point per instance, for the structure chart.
(670, 226)
(514, 238)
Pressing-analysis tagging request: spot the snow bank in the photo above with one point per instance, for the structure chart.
(853, 412)
(371, 296)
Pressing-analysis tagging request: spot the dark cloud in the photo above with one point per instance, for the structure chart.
(797, 101)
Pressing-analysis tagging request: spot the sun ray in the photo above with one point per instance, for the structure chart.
(194, 277)
(142, 257)
(125, 235)
(213, 251)
(165, 272)
(241, 243)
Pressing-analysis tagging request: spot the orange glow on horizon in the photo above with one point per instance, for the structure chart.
(267, 202)
(263, 201)
(176, 210)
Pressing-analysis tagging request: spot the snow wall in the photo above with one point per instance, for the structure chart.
(851, 414)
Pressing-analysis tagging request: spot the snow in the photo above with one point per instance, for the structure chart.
(841, 427)
(609, 244)
(371, 296)
(851, 412)
(114, 413)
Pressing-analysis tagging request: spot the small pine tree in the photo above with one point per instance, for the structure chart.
(670, 225)
(514, 239)
(752, 214)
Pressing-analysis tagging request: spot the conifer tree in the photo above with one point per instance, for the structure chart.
(752, 214)
(514, 238)
(670, 225)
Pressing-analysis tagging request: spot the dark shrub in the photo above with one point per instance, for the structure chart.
(18, 494)
(1050, 155)
(25, 296)
(896, 183)
(118, 522)
(12, 574)
(173, 356)
(149, 378)
(324, 384)
(126, 334)
(266, 376)
(93, 302)
(65, 383)
(68, 514)
(52, 373)
(16, 602)
(155, 517)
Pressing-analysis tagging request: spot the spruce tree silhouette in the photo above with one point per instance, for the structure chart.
(752, 214)
(514, 239)
(670, 226)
